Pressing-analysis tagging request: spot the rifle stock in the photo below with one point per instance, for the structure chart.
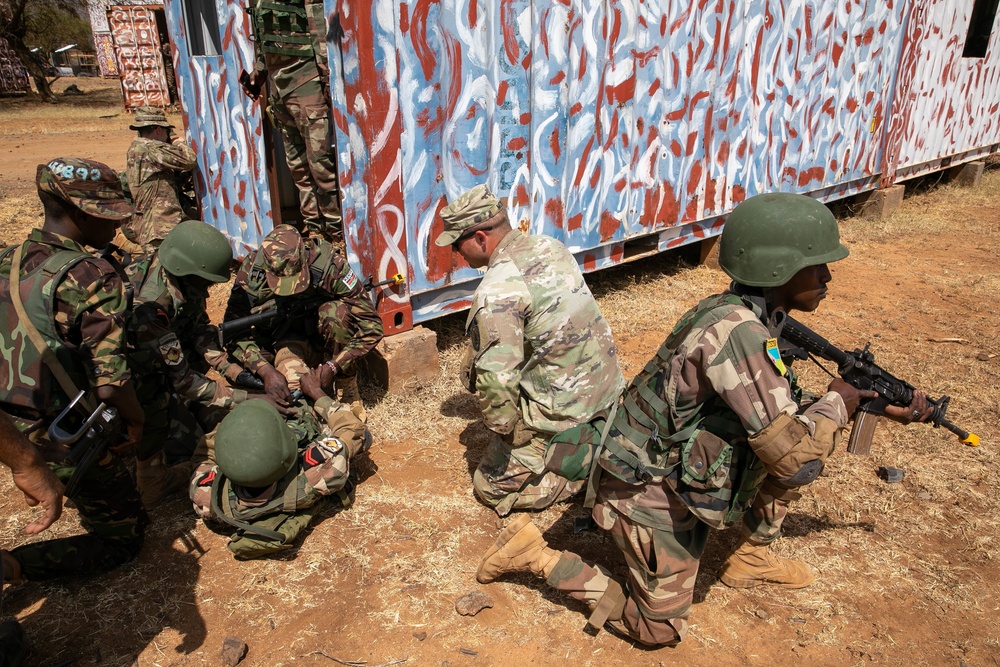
(858, 368)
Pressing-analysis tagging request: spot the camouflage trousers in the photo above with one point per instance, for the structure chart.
(303, 118)
(334, 331)
(110, 512)
(170, 426)
(663, 567)
(513, 477)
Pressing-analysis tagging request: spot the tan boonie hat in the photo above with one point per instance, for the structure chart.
(473, 207)
(93, 187)
(149, 117)
(285, 261)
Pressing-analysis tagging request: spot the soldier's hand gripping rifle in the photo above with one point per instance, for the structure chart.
(859, 370)
(88, 440)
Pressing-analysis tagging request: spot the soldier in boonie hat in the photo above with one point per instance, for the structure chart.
(149, 117)
(92, 187)
(285, 261)
(471, 209)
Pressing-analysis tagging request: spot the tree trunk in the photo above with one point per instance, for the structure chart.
(36, 71)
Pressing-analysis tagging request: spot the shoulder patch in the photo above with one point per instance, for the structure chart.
(774, 354)
(170, 349)
(349, 279)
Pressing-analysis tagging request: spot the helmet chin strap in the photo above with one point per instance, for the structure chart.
(763, 297)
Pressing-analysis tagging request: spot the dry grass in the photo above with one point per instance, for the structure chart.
(99, 108)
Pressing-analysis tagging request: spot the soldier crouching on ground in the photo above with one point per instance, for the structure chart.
(543, 358)
(711, 431)
(63, 311)
(172, 346)
(269, 476)
(324, 314)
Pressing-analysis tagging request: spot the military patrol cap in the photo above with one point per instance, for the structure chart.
(471, 208)
(92, 187)
(149, 117)
(254, 446)
(286, 262)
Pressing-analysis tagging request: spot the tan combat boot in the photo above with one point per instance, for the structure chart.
(754, 564)
(520, 547)
(157, 481)
(348, 393)
(11, 568)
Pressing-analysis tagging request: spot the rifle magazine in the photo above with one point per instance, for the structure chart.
(860, 441)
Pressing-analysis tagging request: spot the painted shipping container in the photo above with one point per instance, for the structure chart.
(621, 127)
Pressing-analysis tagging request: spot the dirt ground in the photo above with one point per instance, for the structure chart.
(907, 574)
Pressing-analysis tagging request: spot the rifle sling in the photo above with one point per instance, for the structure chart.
(224, 512)
(48, 356)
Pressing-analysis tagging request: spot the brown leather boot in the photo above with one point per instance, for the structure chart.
(520, 547)
(11, 568)
(754, 564)
(157, 481)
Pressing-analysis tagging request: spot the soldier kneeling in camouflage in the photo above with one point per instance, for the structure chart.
(269, 477)
(713, 430)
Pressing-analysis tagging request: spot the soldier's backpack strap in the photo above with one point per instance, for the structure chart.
(48, 356)
(223, 510)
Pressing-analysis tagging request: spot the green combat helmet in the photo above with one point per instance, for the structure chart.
(194, 248)
(253, 446)
(769, 238)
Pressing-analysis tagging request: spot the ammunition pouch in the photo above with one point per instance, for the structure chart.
(790, 454)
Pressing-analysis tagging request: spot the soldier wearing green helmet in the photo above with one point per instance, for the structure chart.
(714, 431)
(269, 475)
(172, 345)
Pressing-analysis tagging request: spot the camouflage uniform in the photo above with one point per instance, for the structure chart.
(678, 462)
(291, 48)
(341, 326)
(543, 355)
(155, 172)
(172, 346)
(328, 435)
(78, 304)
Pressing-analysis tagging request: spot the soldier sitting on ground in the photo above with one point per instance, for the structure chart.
(172, 345)
(63, 312)
(325, 316)
(268, 476)
(710, 431)
(157, 172)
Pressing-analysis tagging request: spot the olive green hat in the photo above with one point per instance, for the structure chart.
(769, 238)
(149, 117)
(194, 248)
(470, 209)
(253, 445)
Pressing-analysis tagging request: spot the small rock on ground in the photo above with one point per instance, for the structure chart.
(233, 651)
(472, 603)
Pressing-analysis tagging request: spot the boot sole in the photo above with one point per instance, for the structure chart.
(503, 538)
(753, 583)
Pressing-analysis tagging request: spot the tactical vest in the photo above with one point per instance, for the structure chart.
(283, 27)
(708, 462)
(257, 289)
(31, 391)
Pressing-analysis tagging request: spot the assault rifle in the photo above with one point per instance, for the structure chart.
(284, 307)
(859, 370)
(89, 440)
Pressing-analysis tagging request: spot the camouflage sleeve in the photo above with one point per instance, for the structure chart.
(342, 423)
(325, 466)
(243, 347)
(206, 343)
(365, 330)
(740, 371)
(154, 335)
(178, 157)
(496, 329)
(200, 489)
(90, 313)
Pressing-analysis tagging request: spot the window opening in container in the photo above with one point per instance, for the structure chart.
(984, 13)
(204, 38)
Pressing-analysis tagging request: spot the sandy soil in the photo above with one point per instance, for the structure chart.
(907, 573)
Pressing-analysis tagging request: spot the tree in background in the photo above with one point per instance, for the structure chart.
(47, 24)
